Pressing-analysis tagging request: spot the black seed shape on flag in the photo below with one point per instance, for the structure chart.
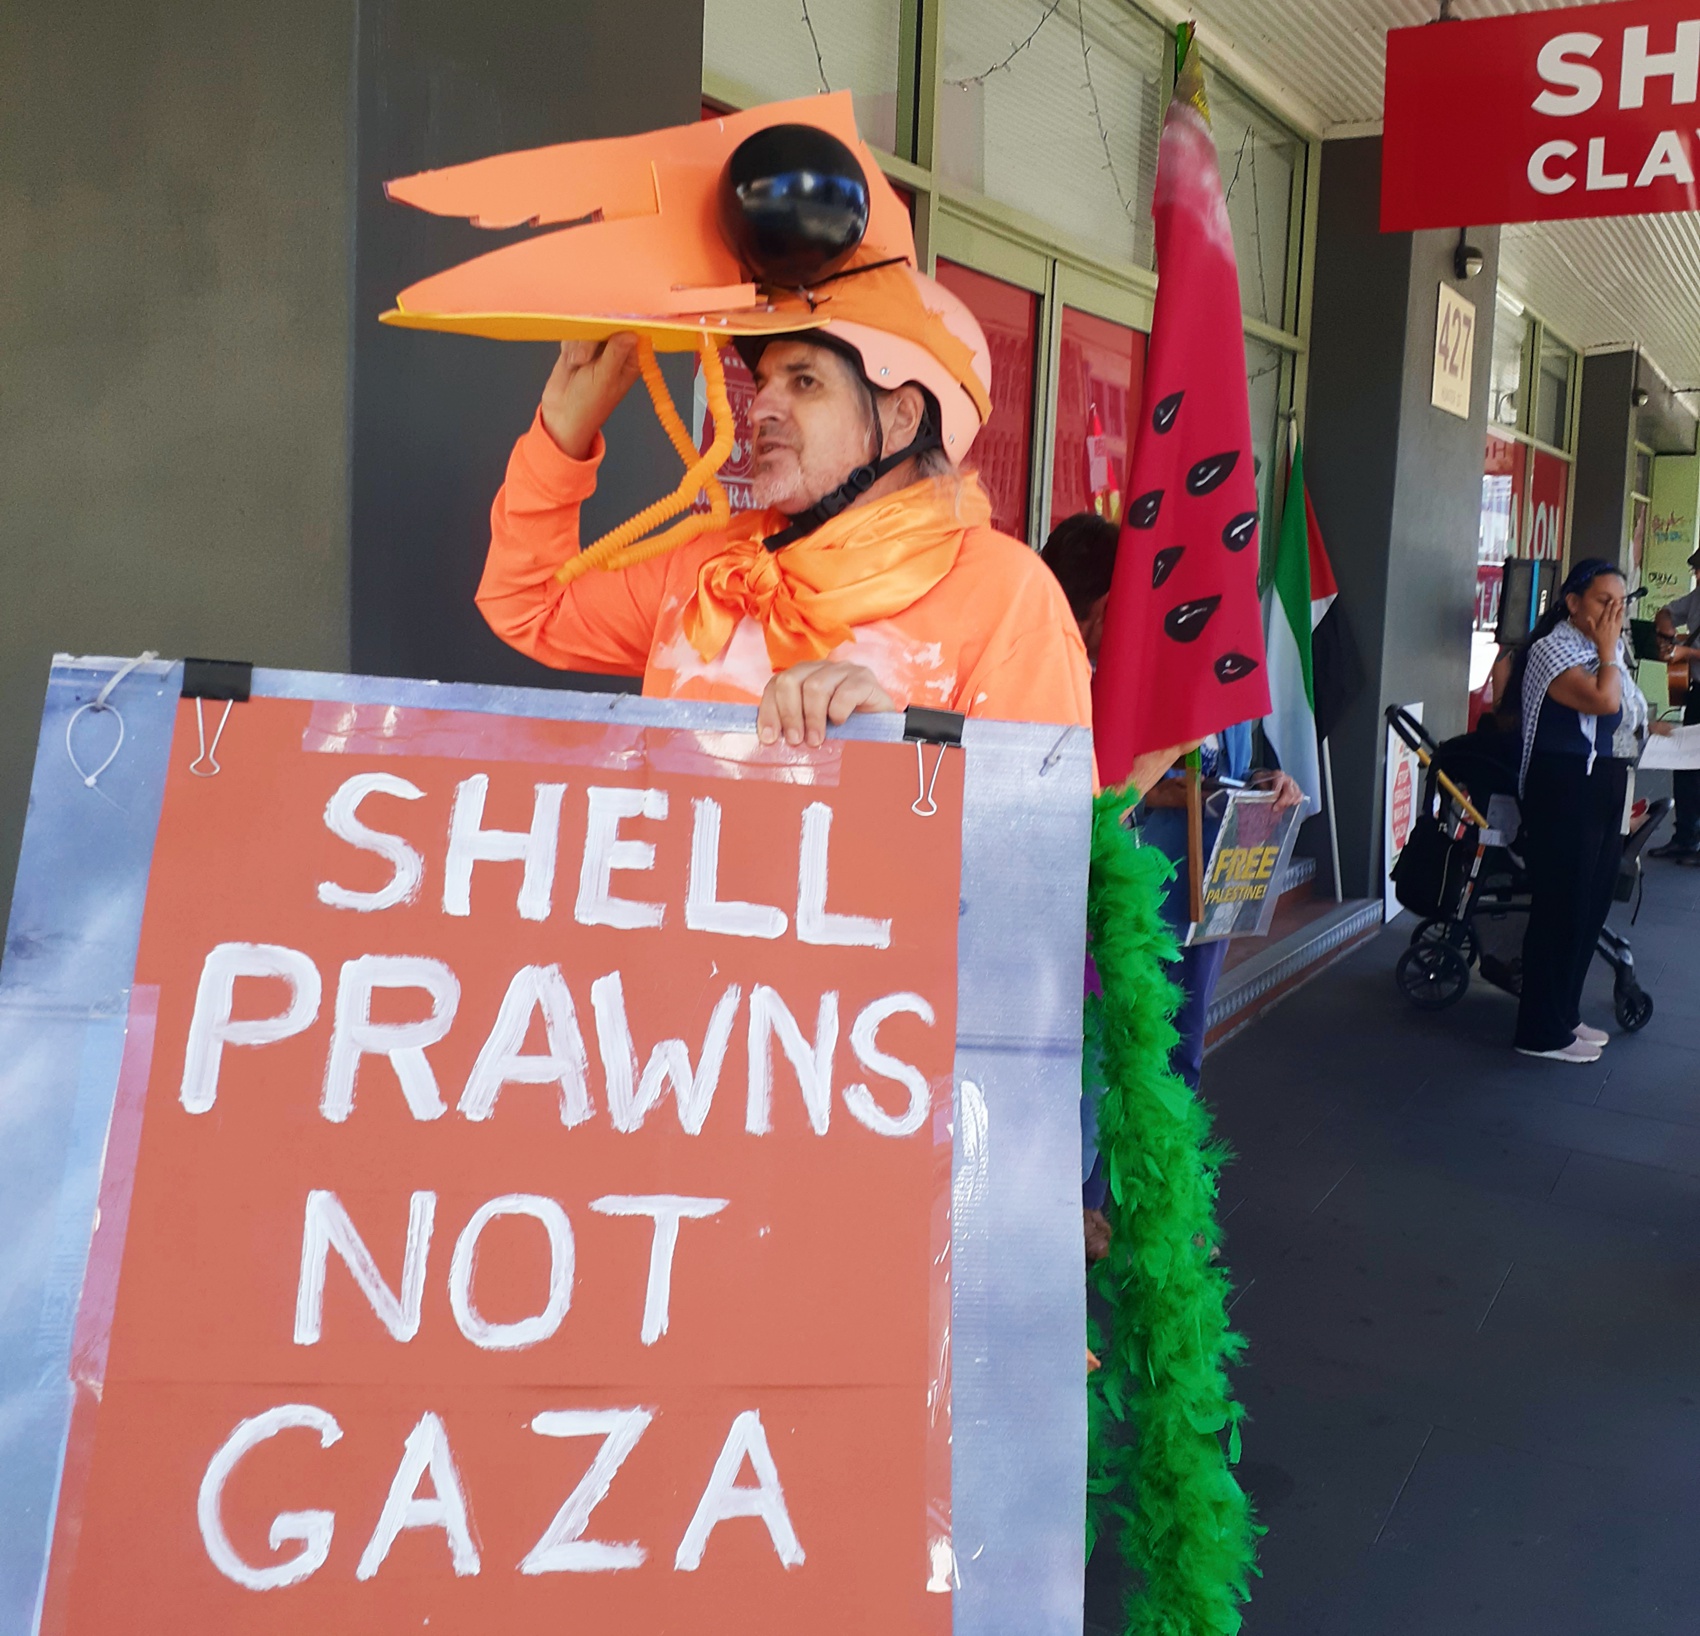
(1163, 564)
(1234, 667)
(1241, 531)
(1212, 472)
(1142, 513)
(1185, 621)
(1163, 416)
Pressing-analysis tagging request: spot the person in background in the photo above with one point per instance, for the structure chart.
(1678, 623)
(1575, 694)
(1081, 552)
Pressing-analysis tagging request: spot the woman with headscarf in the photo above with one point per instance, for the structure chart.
(1576, 697)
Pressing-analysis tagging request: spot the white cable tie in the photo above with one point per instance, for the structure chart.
(101, 703)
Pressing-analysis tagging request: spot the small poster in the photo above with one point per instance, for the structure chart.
(1243, 879)
(1399, 807)
(1454, 353)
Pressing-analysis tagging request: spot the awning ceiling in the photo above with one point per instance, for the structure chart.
(1615, 282)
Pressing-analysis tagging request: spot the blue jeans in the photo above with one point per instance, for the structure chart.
(1195, 974)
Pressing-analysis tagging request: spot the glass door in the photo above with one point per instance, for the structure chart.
(1003, 452)
(1100, 375)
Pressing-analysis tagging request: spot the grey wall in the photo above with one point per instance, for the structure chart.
(1396, 482)
(435, 416)
(173, 341)
(196, 419)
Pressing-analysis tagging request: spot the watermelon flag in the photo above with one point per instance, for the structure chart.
(1183, 631)
(1302, 592)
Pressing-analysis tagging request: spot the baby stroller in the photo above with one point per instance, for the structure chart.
(1460, 863)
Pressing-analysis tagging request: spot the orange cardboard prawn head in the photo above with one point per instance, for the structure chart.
(687, 236)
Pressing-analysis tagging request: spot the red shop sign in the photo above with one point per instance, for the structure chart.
(1586, 111)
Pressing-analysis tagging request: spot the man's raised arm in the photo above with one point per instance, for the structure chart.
(600, 622)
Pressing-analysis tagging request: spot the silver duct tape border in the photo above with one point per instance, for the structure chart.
(1016, 1555)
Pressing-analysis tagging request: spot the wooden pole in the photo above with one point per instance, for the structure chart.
(1195, 836)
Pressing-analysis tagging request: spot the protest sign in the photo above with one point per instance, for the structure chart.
(1242, 882)
(527, 1187)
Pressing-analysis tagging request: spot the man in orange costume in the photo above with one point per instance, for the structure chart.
(870, 579)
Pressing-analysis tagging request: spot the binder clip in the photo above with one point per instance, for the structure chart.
(231, 680)
(922, 727)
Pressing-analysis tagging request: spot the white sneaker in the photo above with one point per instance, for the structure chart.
(1578, 1050)
(1592, 1036)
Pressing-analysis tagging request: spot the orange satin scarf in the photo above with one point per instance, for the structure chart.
(867, 563)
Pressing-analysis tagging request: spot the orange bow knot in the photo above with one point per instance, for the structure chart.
(746, 580)
(866, 564)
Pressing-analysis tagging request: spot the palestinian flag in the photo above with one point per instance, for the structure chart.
(1302, 592)
(1336, 667)
(1182, 654)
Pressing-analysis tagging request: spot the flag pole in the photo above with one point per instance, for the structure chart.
(1333, 821)
(1195, 836)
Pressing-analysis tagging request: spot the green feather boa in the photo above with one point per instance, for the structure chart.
(1159, 1406)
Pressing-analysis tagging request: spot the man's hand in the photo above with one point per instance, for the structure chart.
(1098, 1234)
(798, 703)
(589, 379)
(1286, 787)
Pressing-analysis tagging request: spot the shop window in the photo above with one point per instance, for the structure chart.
(1003, 452)
(771, 50)
(1056, 111)
(1510, 332)
(1263, 365)
(1549, 495)
(1552, 405)
(1502, 507)
(1100, 379)
(1525, 502)
(1640, 504)
(1260, 163)
(1504, 479)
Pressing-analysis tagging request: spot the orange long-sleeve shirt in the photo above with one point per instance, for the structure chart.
(993, 638)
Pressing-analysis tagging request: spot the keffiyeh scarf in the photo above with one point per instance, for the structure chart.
(1566, 648)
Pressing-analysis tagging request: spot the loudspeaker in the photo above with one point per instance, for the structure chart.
(1525, 594)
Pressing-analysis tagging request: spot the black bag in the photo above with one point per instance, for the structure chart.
(1430, 874)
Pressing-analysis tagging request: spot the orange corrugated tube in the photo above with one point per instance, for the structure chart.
(665, 410)
(626, 545)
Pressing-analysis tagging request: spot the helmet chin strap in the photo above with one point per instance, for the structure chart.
(854, 486)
